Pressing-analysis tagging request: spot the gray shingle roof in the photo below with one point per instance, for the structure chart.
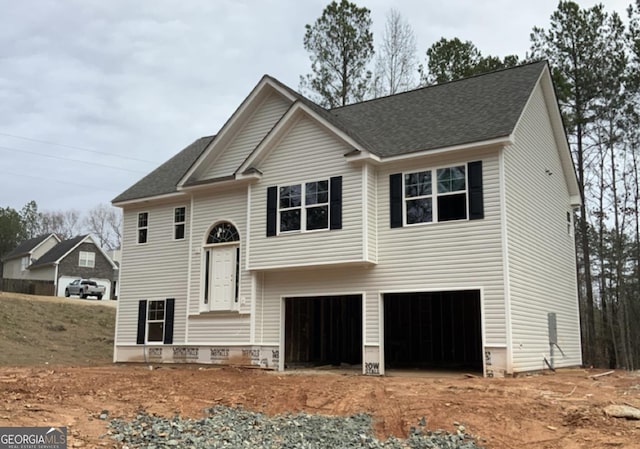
(165, 178)
(26, 247)
(475, 109)
(470, 110)
(55, 253)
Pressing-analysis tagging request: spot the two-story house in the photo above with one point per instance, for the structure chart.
(427, 229)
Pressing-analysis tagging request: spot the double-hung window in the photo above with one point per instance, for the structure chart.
(436, 195)
(155, 321)
(179, 220)
(87, 259)
(309, 206)
(304, 207)
(143, 227)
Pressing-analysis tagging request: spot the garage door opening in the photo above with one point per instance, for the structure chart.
(433, 330)
(323, 330)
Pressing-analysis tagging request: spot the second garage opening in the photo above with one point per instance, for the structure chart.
(323, 330)
(433, 330)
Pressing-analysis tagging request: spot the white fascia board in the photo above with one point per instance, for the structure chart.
(498, 142)
(232, 180)
(283, 125)
(148, 199)
(228, 128)
(362, 156)
(555, 116)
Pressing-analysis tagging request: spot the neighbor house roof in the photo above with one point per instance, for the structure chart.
(26, 247)
(62, 249)
(163, 180)
(476, 109)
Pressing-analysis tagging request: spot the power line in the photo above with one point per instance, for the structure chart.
(40, 178)
(70, 159)
(46, 142)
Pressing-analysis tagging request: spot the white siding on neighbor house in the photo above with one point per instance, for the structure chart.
(541, 253)
(249, 136)
(209, 209)
(12, 269)
(154, 270)
(43, 248)
(307, 153)
(46, 273)
(440, 256)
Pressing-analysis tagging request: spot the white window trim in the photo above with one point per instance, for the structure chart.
(163, 321)
(435, 195)
(24, 263)
(176, 223)
(90, 262)
(303, 208)
(139, 228)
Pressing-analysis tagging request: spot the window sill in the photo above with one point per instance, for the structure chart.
(217, 313)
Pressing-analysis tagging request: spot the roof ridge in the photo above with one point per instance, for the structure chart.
(446, 83)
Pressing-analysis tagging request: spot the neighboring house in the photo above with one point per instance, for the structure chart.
(16, 263)
(428, 229)
(58, 262)
(116, 256)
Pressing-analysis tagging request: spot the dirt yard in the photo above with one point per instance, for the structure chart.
(563, 410)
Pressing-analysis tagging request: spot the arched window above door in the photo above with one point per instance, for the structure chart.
(223, 232)
(221, 268)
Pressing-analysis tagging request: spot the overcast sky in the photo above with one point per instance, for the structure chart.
(94, 94)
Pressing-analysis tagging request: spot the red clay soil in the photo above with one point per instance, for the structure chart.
(562, 410)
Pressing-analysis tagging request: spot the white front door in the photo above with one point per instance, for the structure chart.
(223, 277)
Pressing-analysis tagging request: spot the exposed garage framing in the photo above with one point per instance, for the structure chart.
(322, 330)
(433, 329)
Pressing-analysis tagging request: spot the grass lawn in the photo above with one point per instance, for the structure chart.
(35, 330)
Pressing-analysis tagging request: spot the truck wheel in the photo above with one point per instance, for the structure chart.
(83, 296)
(66, 292)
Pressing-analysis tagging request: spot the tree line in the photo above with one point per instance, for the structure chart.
(594, 57)
(103, 222)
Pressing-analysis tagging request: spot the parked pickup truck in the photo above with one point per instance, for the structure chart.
(84, 288)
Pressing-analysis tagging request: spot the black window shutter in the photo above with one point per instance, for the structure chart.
(335, 203)
(142, 321)
(395, 197)
(168, 320)
(476, 201)
(272, 210)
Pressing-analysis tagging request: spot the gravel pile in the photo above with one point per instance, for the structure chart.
(227, 427)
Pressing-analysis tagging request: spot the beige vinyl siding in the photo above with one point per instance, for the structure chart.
(43, 248)
(211, 208)
(372, 214)
(441, 256)
(154, 270)
(259, 124)
(307, 153)
(46, 273)
(541, 252)
(463, 254)
(12, 269)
